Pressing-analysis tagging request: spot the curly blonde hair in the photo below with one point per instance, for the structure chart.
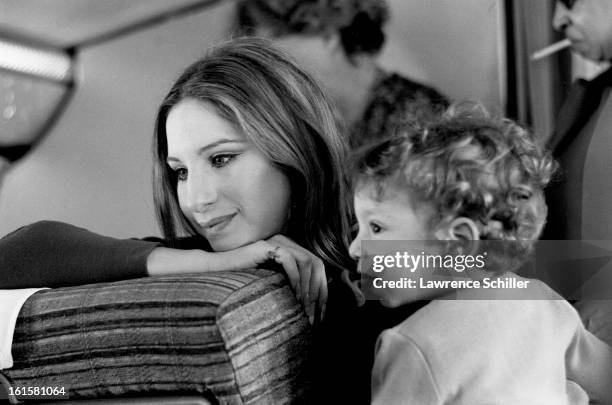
(358, 22)
(470, 164)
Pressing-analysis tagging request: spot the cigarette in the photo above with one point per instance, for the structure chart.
(550, 49)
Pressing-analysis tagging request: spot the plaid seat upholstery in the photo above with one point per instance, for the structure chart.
(240, 336)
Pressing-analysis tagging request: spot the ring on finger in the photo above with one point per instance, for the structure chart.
(273, 253)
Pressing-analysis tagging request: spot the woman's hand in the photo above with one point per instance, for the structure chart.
(306, 274)
(306, 271)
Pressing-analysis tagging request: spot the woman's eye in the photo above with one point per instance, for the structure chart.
(221, 160)
(375, 228)
(181, 174)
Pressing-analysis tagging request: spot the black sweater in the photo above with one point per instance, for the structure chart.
(55, 254)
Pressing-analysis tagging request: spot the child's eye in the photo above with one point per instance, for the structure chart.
(181, 174)
(375, 228)
(221, 159)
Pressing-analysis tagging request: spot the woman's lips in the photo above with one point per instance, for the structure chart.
(217, 224)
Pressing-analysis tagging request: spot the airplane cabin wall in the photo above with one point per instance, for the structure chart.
(93, 168)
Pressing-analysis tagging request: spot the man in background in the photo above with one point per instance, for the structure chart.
(580, 200)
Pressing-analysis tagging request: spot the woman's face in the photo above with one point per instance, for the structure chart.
(229, 192)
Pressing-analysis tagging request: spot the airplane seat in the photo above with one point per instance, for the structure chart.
(237, 337)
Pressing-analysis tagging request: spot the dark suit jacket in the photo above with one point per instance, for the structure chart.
(582, 101)
(565, 214)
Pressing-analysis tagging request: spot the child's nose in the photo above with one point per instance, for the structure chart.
(355, 249)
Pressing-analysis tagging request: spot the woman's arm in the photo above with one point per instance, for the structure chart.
(55, 254)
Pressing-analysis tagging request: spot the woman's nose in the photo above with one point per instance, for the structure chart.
(561, 17)
(201, 193)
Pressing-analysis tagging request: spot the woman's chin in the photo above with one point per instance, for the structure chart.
(237, 240)
(227, 244)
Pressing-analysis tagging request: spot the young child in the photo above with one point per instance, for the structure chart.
(472, 177)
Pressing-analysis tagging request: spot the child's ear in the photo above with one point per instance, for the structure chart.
(463, 228)
(460, 228)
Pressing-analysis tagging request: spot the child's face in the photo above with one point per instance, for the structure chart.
(394, 217)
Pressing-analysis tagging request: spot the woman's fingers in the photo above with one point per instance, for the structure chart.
(318, 285)
(286, 259)
(322, 301)
(313, 279)
(282, 239)
(306, 262)
(304, 269)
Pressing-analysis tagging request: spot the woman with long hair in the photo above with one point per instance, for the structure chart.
(247, 171)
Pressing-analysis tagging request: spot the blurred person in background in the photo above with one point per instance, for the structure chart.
(582, 142)
(339, 42)
(580, 198)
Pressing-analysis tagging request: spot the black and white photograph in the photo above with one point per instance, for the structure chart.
(306, 202)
